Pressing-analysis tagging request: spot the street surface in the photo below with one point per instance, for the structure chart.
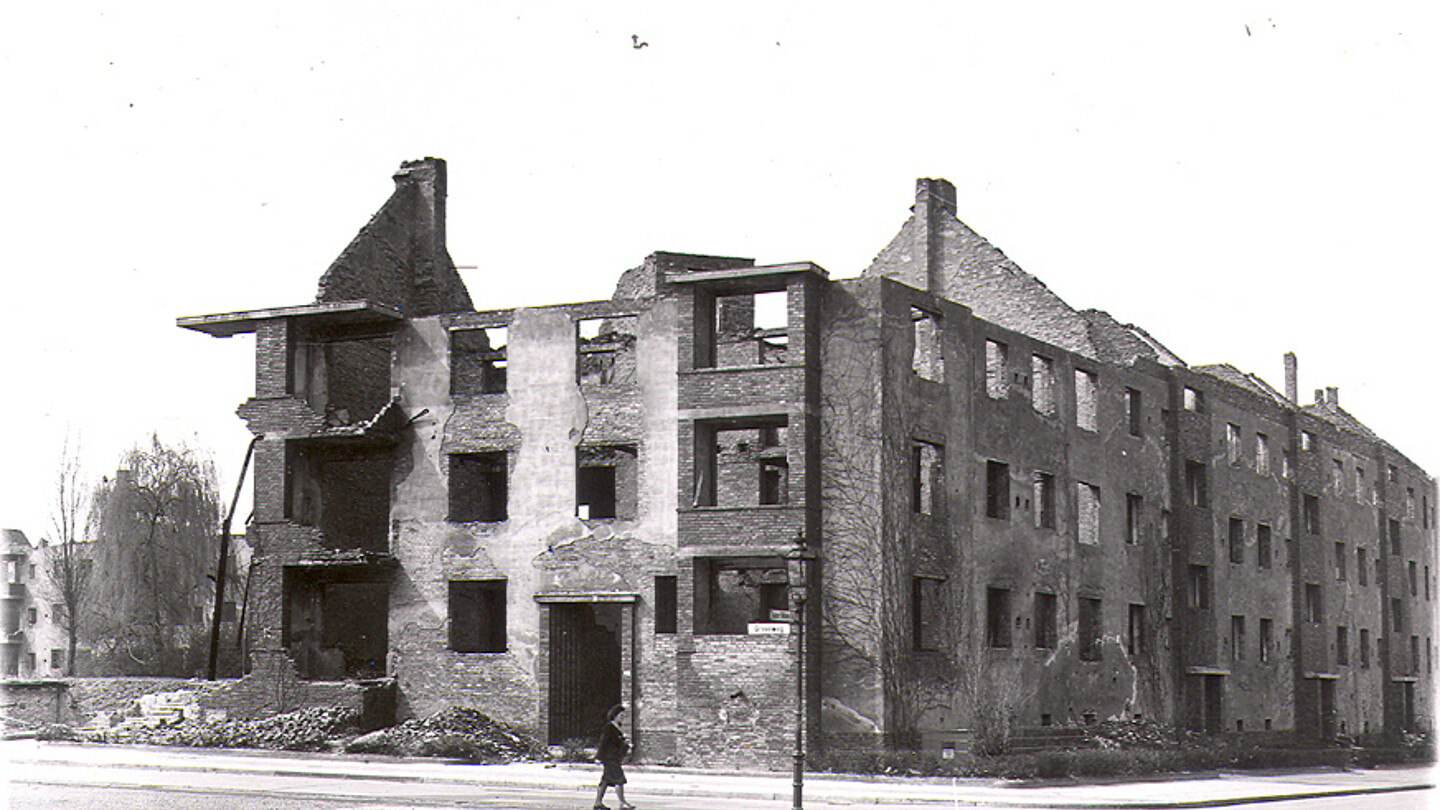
(50, 775)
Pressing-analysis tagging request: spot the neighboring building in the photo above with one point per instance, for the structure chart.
(33, 643)
(1018, 508)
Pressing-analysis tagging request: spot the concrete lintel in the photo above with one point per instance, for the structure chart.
(329, 313)
(747, 276)
(585, 596)
(741, 412)
(693, 552)
(1404, 679)
(1321, 676)
(1206, 671)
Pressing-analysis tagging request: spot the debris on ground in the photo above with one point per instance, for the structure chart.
(456, 733)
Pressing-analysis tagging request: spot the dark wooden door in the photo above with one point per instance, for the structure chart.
(584, 670)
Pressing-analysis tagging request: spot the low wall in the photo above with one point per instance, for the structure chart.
(271, 688)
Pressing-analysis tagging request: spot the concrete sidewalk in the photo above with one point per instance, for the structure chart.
(1207, 790)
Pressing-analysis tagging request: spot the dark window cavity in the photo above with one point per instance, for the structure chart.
(477, 615)
(478, 361)
(997, 617)
(478, 487)
(925, 604)
(666, 605)
(1091, 629)
(1134, 414)
(997, 490)
(1197, 484)
(1046, 621)
(1043, 484)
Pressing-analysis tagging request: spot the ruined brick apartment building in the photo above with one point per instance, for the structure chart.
(1015, 505)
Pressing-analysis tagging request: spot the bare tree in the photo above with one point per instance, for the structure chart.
(67, 561)
(156, 524)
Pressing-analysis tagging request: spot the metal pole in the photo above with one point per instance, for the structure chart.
(224, 559)
(799, 802)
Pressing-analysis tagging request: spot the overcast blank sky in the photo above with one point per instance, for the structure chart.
(1239, 179)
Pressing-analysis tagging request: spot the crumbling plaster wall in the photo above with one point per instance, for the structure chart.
(542, 547)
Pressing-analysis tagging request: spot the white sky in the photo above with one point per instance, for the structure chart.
(1239, 194)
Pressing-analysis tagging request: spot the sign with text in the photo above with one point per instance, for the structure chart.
(769, 629)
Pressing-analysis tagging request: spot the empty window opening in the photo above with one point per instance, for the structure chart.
(1232, 443)
(928, 358)
(1285, 464)
(746, 329)
(997, 617)
(1237, 638)
(1393, 473)
(1091, 629)
(477, 615)
(1135, 630)
(997, 360)
(1086, 400)
(731, 593)
(1427, 583)
(997, 490)
(1397, 614)
(1197, 484)
(1414, 654)
(1089, 508)
(1199, 591)
(1236, 540)
(925, 612)
(1314, 606)
(478, 487)
(1045, 719)
(335, 620)
(1394, 536)
(1042, 372)
(666, 605)
(1340, 562)
(1414, 591)
(1134, 414)
(1267, 638)
(1262, 454)
(343, 491)
(1194, 400)
(1360, 484)
(1046, 621)
(1337, 475)
(1134, 508)
(741, 464)
(1342, 645)
(478, 361)
(1410, 502)
(1364, 648)
(1362, 572)
(1043, 486)
(1262, 545)
(605, 482)
(605, 351)
(1425, 511)
(927, 477)
(1310, 513)
(1307, 441)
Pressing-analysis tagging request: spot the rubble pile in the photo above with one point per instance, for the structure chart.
(1134, 734)
(454, 732)
(314, 729)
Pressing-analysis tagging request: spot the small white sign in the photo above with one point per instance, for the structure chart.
(769, 629)
(777, 615)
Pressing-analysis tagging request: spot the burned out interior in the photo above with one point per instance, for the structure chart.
(737, 328)
(479, 487)
(342, 374)
(478, 361)
(605, 482)
(605, 351)
(336, 620)
(342, 489)
(732, 592)
(742, 462)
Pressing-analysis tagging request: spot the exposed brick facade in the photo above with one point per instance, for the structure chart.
(1059, 537)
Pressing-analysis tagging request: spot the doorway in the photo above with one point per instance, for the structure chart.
(1327, 709)
(585, 669)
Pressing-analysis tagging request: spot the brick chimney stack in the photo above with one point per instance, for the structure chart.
(1292, 378)
(1332, 395)
(427, 175)
(934, 201)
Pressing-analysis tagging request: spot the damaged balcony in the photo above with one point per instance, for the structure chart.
(322, 390)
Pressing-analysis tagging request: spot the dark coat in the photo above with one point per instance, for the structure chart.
(612, 746)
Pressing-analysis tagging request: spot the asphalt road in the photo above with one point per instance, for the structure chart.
(25, 796)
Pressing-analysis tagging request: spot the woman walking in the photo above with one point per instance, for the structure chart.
(610, 751)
